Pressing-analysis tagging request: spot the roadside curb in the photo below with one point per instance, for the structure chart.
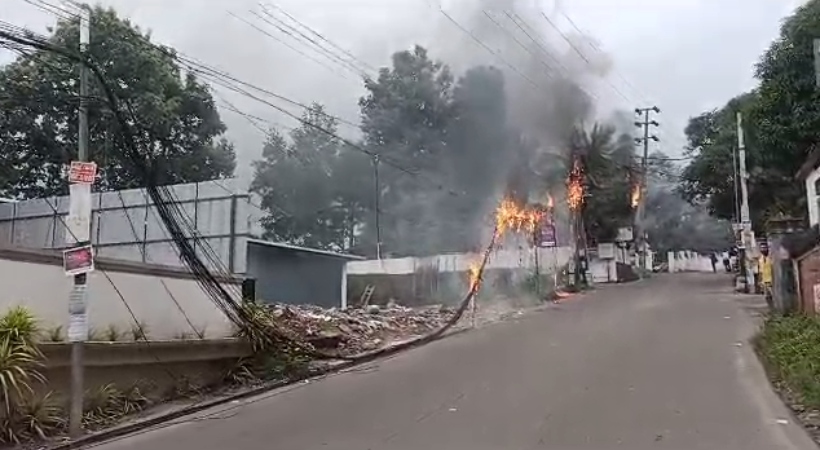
(139, 425)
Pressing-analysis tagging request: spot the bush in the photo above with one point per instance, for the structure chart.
(790, 348)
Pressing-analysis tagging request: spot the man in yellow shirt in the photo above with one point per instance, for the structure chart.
(765, 267)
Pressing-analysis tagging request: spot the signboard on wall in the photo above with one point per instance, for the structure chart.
(547, 237)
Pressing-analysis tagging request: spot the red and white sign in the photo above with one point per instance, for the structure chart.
(82, 172)
(78, 260)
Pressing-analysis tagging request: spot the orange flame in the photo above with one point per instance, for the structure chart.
(474, 273)
(575, 187)
(509, 216)
(635, 198)
(550, 202)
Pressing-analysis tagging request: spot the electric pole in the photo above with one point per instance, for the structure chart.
(640, 234)
(78, 326)
(745, 216)
(377, 201)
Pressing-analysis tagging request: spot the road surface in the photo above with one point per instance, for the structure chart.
(659, 364)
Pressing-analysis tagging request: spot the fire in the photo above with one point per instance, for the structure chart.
(475, 276)
(550, 202)
(636, 196)
(509, 216)
(575, 187)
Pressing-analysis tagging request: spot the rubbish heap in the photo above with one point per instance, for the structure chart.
(356, 330)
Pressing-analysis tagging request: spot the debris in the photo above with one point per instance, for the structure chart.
(782, 422)
(358, 329)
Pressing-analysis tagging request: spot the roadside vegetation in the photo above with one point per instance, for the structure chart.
(790, 349)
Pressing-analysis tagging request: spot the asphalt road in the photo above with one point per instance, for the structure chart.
(660, 364)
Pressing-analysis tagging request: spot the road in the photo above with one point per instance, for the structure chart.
(659, 364)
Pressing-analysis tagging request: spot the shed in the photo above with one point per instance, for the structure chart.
(295, 275)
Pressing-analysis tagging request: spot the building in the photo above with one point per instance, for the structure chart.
(296, 275)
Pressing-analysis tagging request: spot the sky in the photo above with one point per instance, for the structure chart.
(683, 56)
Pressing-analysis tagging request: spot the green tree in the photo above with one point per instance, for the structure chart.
(709, 179)
(781, 120)
(174, 115)
(315, 190)
(406, 114)
(608, 159)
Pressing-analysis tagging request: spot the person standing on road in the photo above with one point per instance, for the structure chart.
(713, 258)
(766, 275)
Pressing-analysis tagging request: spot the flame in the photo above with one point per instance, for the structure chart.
(474, 272)
(575, 187)
(636, 196)
(509, 216)
(550, 202)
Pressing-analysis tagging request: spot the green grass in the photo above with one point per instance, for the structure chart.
(790, 349)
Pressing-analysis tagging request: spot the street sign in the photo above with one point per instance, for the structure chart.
(624, 234)
(78, 260)
(547, 236)
(82, 172)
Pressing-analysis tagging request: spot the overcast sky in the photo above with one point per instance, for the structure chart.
(685, 56)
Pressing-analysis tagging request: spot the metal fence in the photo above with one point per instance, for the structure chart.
(127, 226)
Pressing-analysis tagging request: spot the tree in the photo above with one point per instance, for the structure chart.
(174, 116)
(315, 189)
(405, 119)
(781, 119)
(609, 164)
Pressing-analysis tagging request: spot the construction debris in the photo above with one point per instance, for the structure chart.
(356, 330)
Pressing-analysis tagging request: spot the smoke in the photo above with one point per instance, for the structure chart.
(549, 88)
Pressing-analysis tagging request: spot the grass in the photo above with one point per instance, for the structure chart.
(790, 349)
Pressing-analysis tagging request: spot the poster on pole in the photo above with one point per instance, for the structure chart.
(79, 260)
(82, 172)
(77, 314)
(78, 221)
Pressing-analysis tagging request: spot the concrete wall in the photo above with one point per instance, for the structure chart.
(36, 280)
(159, 366)
(443, 278)
(127, 226)
(687, 261)
(292, 276)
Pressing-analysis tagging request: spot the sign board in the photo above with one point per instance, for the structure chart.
(547, 237)
(77, 314)
(606, 251)
(82, 172)
(78, 260)
(624, 234)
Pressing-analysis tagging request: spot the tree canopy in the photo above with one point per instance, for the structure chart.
(175, 116)
(781, 117)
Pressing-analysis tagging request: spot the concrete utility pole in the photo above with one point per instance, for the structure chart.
(81, 280)
(745, 216)
(639, 233)
(377, 197)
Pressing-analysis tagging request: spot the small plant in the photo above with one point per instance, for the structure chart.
(107, 404)
(20, 325)
(139, 331)
(184, 336)
(55, 334)
(186, 388)
(40, 417)
(95, 335)
(112, 333)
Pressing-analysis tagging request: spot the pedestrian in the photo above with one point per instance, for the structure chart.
(766, 275)
(727, 263)
(713, 258)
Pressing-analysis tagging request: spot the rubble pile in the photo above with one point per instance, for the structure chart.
(356, 330)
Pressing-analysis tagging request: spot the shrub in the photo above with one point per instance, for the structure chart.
(790, 347)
